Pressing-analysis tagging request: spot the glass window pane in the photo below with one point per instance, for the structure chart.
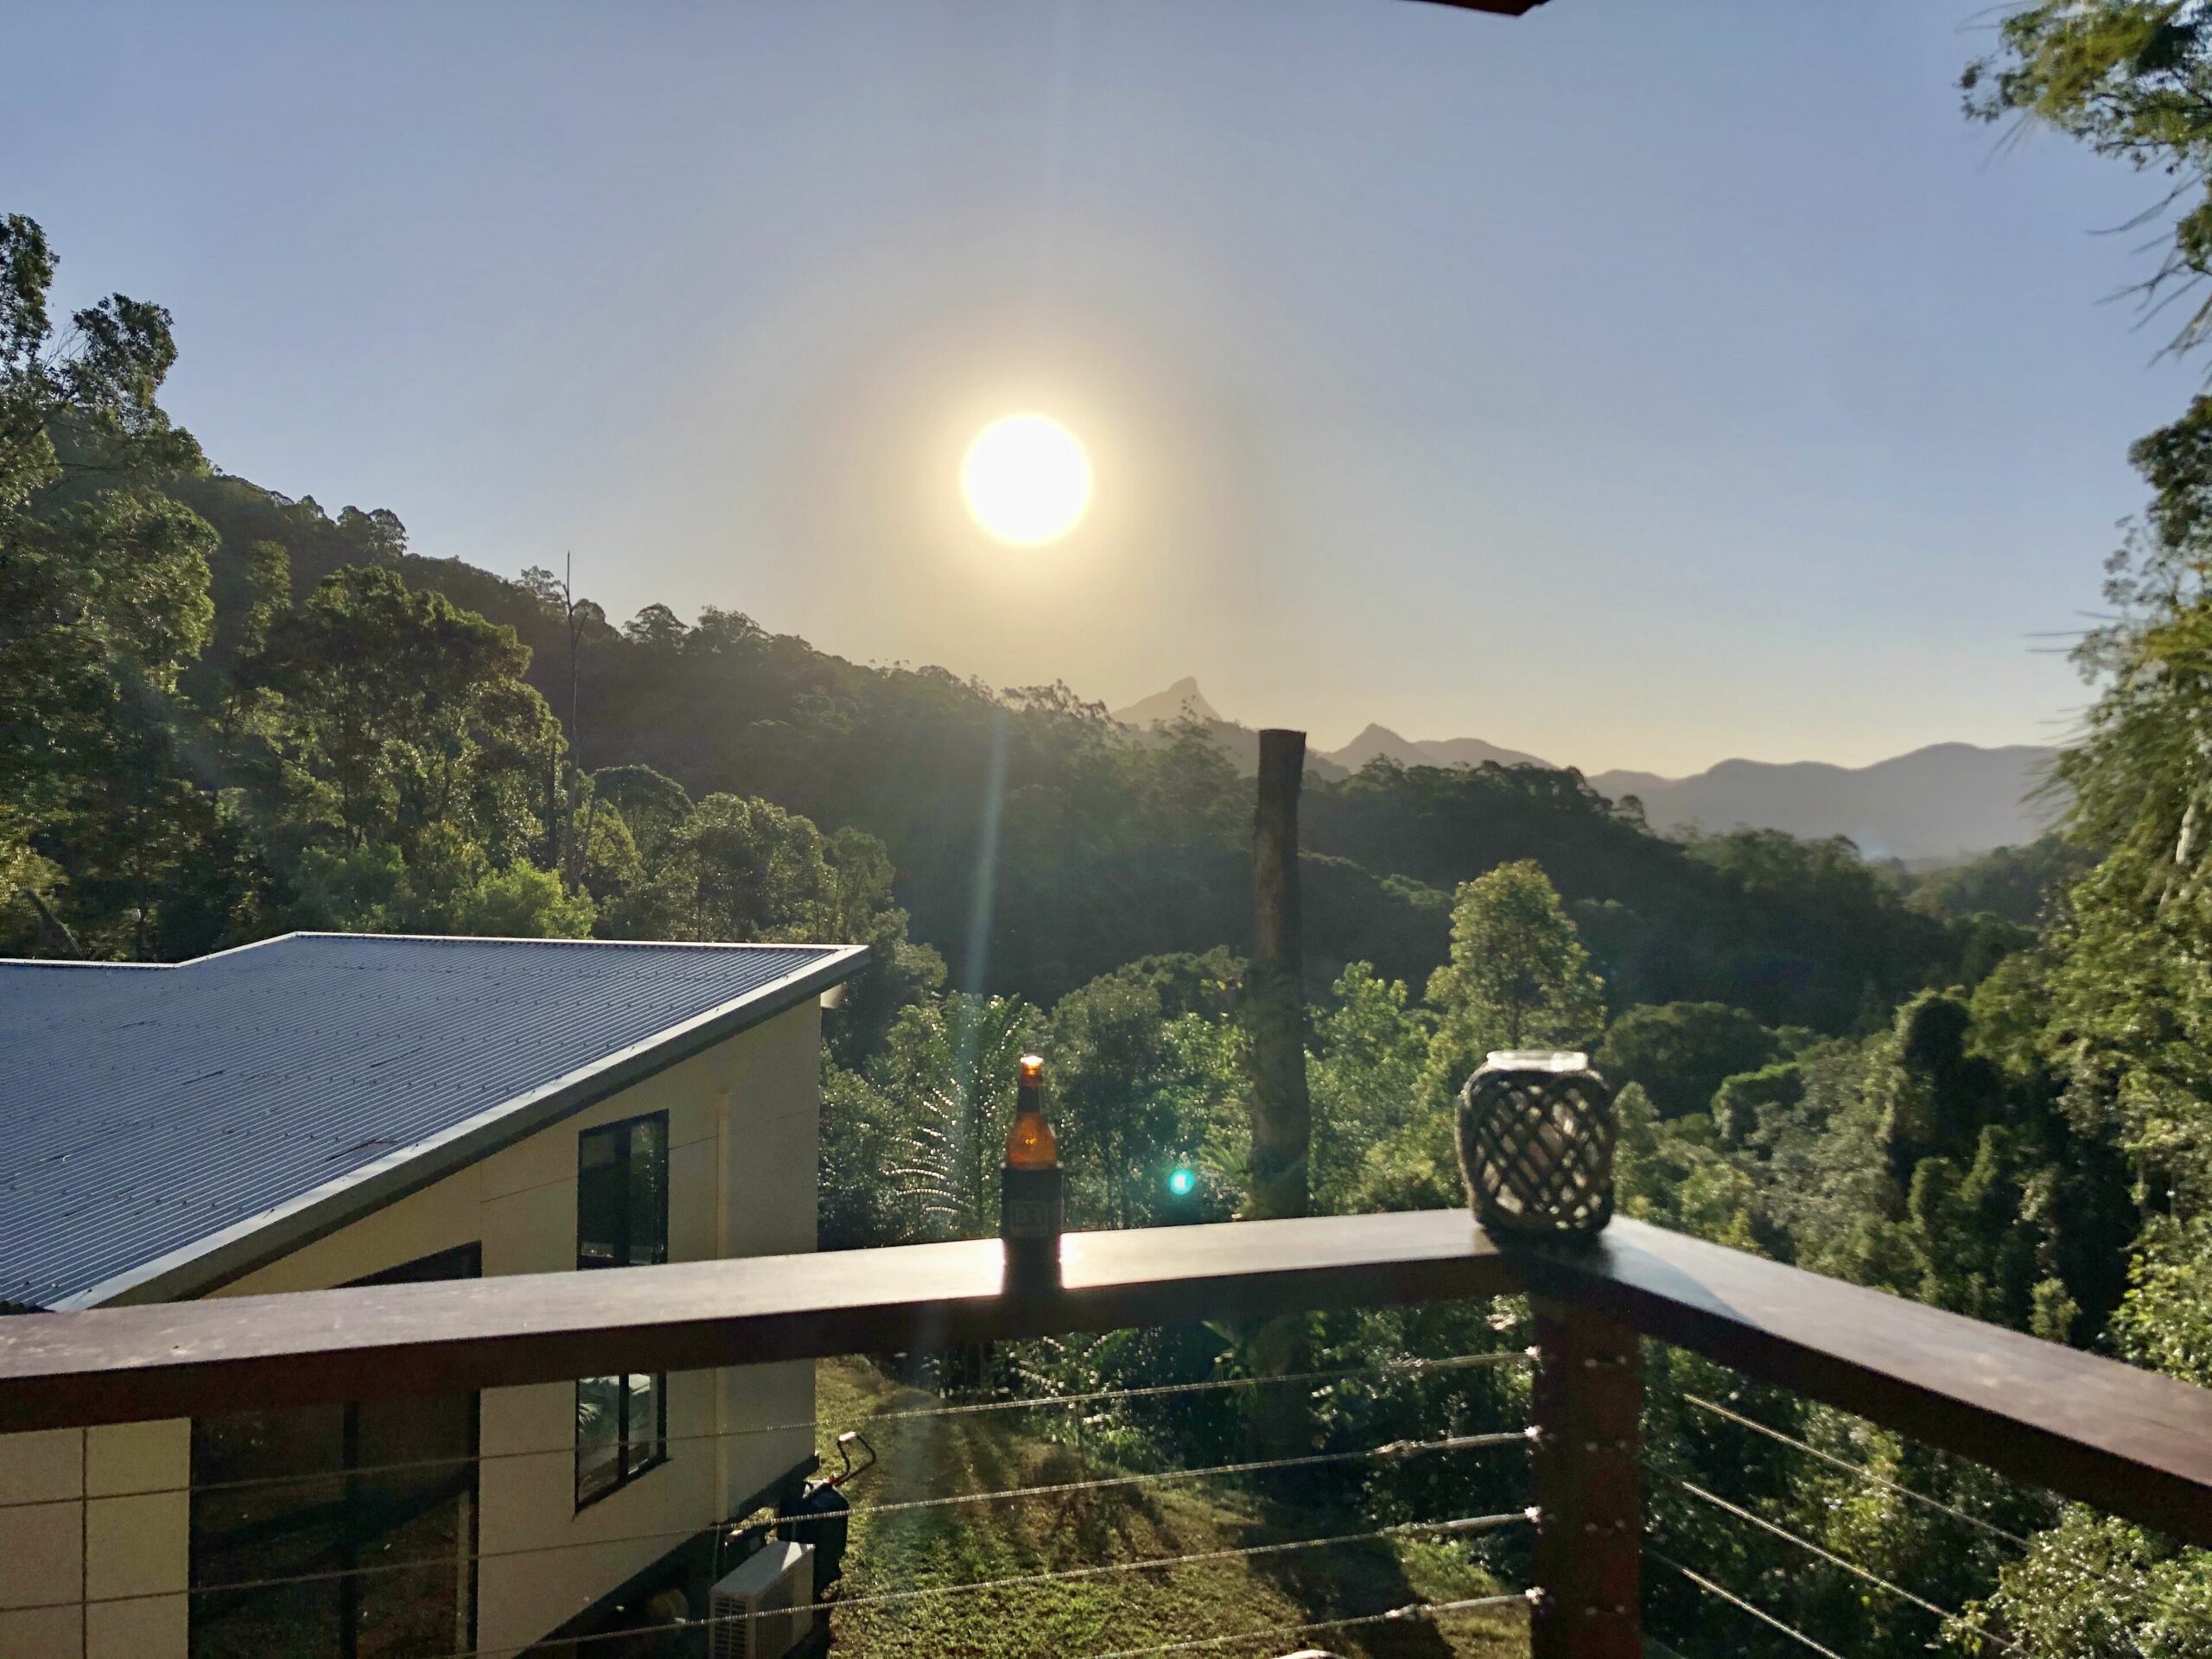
(412, 1505)
(269, 1504)
(599, 1436)
(602, 1197)
(645, 1422)
(648, 1205)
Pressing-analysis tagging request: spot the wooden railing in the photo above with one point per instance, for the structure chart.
(2127, 1441)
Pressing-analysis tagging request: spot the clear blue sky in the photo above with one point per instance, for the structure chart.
(1636, 384)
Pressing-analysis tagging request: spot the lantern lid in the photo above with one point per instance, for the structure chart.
(1537, 1059)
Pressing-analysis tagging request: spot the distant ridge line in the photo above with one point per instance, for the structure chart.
(1940, 801)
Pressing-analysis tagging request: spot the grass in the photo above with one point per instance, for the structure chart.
(996, 1450)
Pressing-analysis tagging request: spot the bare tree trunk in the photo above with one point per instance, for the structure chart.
(575, 639)
(53, 926)
(580, 854)
(1282, 1113)
(1275, 990)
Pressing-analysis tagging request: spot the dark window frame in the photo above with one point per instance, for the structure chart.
(615, 1253)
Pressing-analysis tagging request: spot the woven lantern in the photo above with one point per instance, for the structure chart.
(1536, 1144)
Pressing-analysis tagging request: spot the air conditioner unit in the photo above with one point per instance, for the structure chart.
(764, 1608)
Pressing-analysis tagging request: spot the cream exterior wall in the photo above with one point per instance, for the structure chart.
(100, 1513)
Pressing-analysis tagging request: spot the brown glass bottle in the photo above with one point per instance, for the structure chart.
(1030, 1143)
(1033, 1188)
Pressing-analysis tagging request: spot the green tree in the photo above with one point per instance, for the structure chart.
(448, 886)
(2126, 994)
(1147, 1078)
(947, 1078)
(104, 603)
(1683, 1052)
(1371, 1049)
(739, 868)
(1518, 977)
(404, 717)
(2094, 1588)
(652, 804)
(742, 869)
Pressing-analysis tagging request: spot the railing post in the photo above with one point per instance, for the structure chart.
(1588, 1407)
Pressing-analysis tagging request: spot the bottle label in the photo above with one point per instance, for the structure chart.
(1032, 1203)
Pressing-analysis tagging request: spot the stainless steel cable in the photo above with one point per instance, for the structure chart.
(1241, 1552)
(1393, 1449)
(1385, 1368)
(1860, 1471)
(1462, 1524)
(2082, 1573)
(1413, 1613)
(913, 1414)
(1827, 1555)
(1264, 1465)
(1738, 1602)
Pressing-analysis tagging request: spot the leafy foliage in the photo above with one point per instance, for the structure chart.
(1518, 977)
(1682, 1052)
(2131, 79)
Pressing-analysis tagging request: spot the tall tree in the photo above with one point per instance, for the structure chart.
(404, 715)
(104, 602)
(1518, 977)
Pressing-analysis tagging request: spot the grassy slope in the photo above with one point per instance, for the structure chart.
(961, 1545)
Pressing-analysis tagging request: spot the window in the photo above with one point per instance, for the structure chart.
(622, 1222)
(338, 1532)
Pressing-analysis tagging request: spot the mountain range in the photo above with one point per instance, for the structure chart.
(1940, 804)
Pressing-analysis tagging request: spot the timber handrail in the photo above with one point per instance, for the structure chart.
(2129, 1441)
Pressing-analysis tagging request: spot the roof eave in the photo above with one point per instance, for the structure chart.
(221, 1258)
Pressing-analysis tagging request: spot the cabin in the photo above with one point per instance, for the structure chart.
(317, 1111)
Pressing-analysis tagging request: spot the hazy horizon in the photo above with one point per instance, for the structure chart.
(1328, 742)
(1640, 391)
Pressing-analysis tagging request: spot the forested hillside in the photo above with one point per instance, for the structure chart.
(1104, 849)
(227, 713)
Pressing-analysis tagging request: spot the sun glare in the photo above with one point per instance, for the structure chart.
(1027, 480)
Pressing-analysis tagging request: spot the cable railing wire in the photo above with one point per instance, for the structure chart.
(1459, 1526)
(1382, 1368)
(1412, 1612)
(1456, 1526)
(2080, 1572)
(905, 1415)
(1258, 1466)
(1860, 1471)
(1391, 1450)
(1721, 1592)
(1834, 1559)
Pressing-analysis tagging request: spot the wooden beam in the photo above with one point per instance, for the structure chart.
(2130, 1441)
(173, 1360)
(1586, 1400)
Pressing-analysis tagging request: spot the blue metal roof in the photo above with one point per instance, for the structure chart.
(164, 1130)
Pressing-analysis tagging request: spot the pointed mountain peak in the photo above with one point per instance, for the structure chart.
(1163, 708)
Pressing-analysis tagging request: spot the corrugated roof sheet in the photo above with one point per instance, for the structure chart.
(160, 1127)
(33, 993)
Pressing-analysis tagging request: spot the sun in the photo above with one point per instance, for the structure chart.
(1027, 480)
